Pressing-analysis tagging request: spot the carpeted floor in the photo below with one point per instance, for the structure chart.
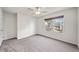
(36, 44)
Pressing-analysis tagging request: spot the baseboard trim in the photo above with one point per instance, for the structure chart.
(11, 38)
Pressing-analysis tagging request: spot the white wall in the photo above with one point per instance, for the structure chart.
(78, 25)
(70, 26)
(1, 26)
(10, 25)
(26, 25)
(1, 21)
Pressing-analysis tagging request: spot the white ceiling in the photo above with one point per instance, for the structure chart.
(31, 10)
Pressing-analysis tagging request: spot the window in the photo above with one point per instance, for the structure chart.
(54, 24)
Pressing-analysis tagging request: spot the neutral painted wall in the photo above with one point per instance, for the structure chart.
(25, 25)
(10, 25)
(70, 26)
(1, 21)
(78, 25)
(1, 26)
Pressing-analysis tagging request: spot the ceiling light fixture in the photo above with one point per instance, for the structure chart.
(37, 11)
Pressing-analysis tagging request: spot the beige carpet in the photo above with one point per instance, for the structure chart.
(36, 44)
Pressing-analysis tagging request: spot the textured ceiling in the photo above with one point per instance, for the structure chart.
(31, 10)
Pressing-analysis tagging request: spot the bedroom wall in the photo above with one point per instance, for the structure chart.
(25, 25)
(70, 26)
(10, 25)
(1, 26)
(78, 25)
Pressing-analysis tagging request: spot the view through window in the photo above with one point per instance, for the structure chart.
(55, 24)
